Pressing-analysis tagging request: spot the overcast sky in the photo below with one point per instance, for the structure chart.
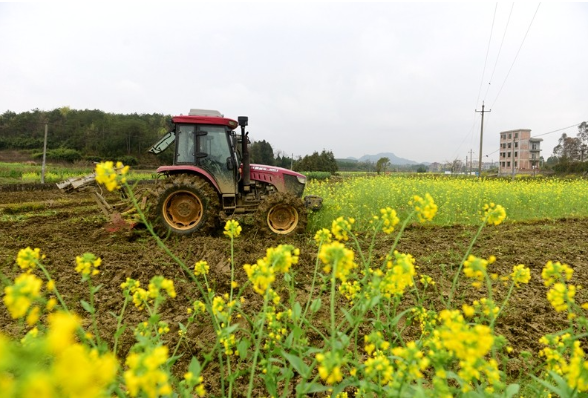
(353, 78)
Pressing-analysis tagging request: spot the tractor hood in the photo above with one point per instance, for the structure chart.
(283, 179)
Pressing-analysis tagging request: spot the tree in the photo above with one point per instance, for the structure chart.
(382, 164)
(282, 159)
(325, 162)
(262, 153)
(583, 132)
(568, 148)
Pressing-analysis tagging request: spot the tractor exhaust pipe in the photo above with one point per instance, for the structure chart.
(243, 122)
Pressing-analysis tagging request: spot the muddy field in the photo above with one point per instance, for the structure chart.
(64, 226)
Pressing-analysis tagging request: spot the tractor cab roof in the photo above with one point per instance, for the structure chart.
(205, 120)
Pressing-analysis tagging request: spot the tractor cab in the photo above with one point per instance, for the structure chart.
(204, 140)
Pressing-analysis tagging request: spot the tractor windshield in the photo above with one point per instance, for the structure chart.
(215, 144)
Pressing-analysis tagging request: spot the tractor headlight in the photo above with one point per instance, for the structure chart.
(301, 179)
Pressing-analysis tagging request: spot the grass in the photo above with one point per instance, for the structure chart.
(11, 173)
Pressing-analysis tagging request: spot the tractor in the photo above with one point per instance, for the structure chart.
(212, 180)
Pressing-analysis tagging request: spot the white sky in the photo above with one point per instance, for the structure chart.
(354, 78)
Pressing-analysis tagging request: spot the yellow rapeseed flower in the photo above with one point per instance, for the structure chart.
(88, 264)
(28, 258)
(232, 229)
(494, 214)
(425, 208)
(341, 227)
(556, 272)
(110, 176)
(336, 256)
(323, 236)
(20, 296)
(201, 268)
(389, 219)
(520, 274)
(330, 367)
(62, 329)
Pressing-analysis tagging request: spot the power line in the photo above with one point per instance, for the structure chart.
(543, 134)
(487, 51)
(499, 51)
(471, 131)
(557, 130)
(516, 56)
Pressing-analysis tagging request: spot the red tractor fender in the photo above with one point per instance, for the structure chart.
(175, 169)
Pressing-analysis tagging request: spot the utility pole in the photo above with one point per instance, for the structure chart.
(44, 155)
(481, 138)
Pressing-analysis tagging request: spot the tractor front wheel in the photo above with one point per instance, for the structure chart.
(282, 214)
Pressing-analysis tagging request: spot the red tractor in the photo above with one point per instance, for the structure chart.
(211, 180)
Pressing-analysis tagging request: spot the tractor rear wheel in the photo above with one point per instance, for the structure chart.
(185, 204)
(281, 214)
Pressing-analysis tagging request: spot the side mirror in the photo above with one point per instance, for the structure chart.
(230, 165)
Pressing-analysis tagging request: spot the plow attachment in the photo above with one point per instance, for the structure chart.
(122, 215)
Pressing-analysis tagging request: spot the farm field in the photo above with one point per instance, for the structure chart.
(65, 226)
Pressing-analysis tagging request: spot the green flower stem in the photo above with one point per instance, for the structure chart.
(93, 313)
(502, 306)
(402, 228)
(333, 281)
(316, 265)
(373, 243)
(299, 392)
(46, 273)
(358, 247)
(258, 343)
(119, 320)
(232, 268)
(465, 257)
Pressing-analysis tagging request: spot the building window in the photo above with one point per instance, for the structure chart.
(515, 164)
(510, 135)
(516, 153)
(516, 144)
(509, 145)
(503, 164)
(516, 135)
(508, 163)
(509, 154)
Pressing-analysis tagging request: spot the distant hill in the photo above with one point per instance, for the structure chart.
(394, 160)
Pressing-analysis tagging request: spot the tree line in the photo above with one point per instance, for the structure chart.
(571, 153)
(96, 135)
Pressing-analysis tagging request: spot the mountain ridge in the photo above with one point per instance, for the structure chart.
(394, 159)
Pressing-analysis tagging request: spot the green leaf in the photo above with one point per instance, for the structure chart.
(243, 348)
(95, 289)
(348, 316)
(561, 389)
(297, 363)
(120, 331)
(271, 385)
(316, 305)
(511, 390)
(87, 306)
(296, 311)
(195, 366)
(305, 388)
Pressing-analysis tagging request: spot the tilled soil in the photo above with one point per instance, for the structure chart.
(64, 226)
